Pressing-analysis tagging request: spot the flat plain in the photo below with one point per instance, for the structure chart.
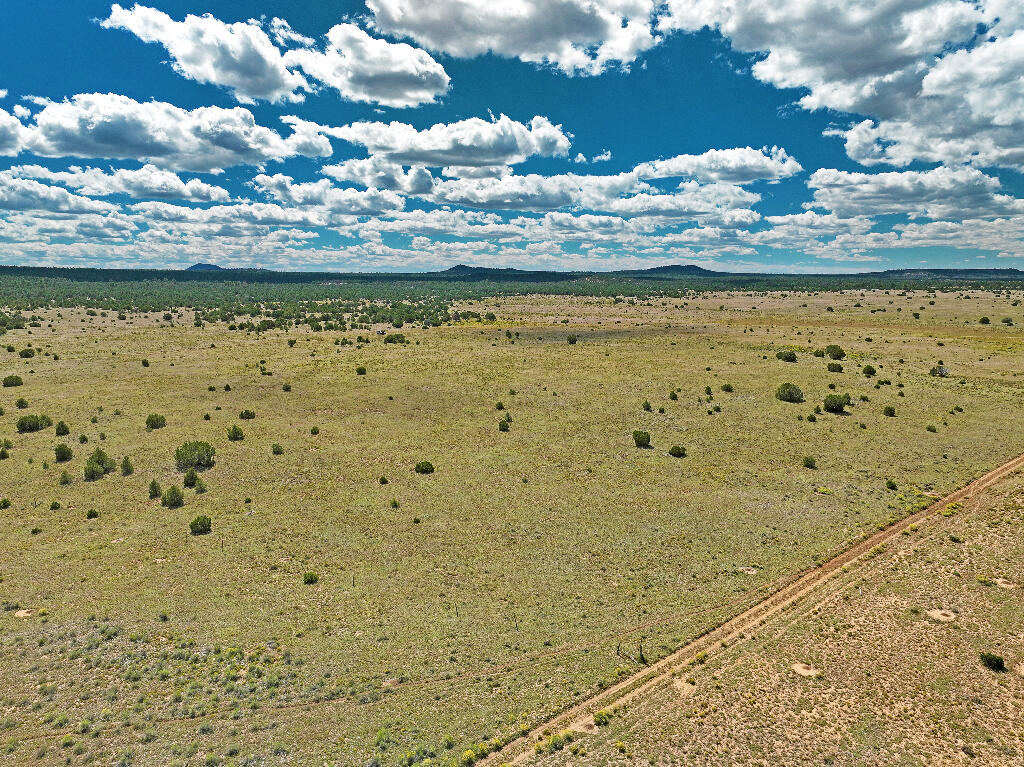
(347, 609)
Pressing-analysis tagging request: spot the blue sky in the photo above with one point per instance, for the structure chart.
(557, 134)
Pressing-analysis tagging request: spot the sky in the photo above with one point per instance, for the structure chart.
(413, 135)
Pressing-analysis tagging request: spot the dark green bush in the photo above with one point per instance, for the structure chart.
(835, 367)
(194, 455)
(62, 453)
(314, 430)
(155, 421)
(126, 467)
(12, 380)
(62, 429)
(571, 339)
(286, 387)
(65, 478)
(276, 449)
(810, 463)
(145, 363)
(647, 406)
(868, 370)
(789, 392)
(424, 467)
(92, 514)
(641, 438)
(727, 388)
(98, 465)
(247, 415)
(992, 662)
(503, 425)
(836, 403)
(235, 433)
(360, 371)
(30, 423)
(191, 477)
(172, 497)
(21, 403)
(201, 525)
(835, 351)
(310, 578)
(27, 353)
(677, 451)
(786, 355)
(984, 320)
(154, 489)
(889, 411)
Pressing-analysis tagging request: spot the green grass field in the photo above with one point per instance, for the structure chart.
(450, 609)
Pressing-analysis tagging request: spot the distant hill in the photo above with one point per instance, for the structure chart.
(204, 268)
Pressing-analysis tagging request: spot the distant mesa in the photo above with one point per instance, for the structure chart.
(204, 268)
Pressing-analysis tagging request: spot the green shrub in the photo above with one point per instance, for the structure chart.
(62, 453)
(672, 395)
(201, 525)
(172, 497)
(310, 578)
(836, 403)
(571, 339)
(154, 489)
(786, 355)
(92, 514)
(5, 503)
(194, 455)
(155, 421)
(276, 449)
(889, 411)
(62, 429)
(27, 353)
(191, 477)
(810, 463)
(424, 467)
(602, 717)
(65, 478)
(727, 388)
(677, 451)
(641, 438)
(98, 465)
(286, 387)
(235, 433)
(360, 371)
(992, 661)
(835, 351)
(503, 425)
(890, 484)
(984, 320)
(868, 370)
(835, 367)
(21, 403)
(314, 430)
(12, 380)
(789, 392)
(647, 406)
(145, 363)
(30, 423)
(126, 467)
(247, 415)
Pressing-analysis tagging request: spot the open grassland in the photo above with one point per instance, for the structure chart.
(883, 664)
(450, 610)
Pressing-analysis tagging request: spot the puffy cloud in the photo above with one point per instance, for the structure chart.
(322, 193)
(472, 143)
(941, 78)
(204, 139)
(27, 194)
(735, 166)
(146, 182)
(378, 173)
(953, 193)
(12, 134)
(576, 36)
(364, 68)
(242, 57)
(238, 56)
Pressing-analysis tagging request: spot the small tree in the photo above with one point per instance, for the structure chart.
(868, 370)
(789, 392)
(12, 380)
(786, 355)
(310, 578)
(836, 403)
(835, 351)
(201, 525)
(194, 455)
(424, 467)
(155, 421)
(126, 467)
(65, 478)
(677, 451)
(641, 439)
(172, 497)
(247, 415)
(809, 462)
(889, 411)
(276, 449)
(835, 367)
(647, 406)
(62, 429)
(154, 489)
(191, 477)
(62, 453)
(360, 371)
(30, 423)
(235, 433)
(571, 339)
